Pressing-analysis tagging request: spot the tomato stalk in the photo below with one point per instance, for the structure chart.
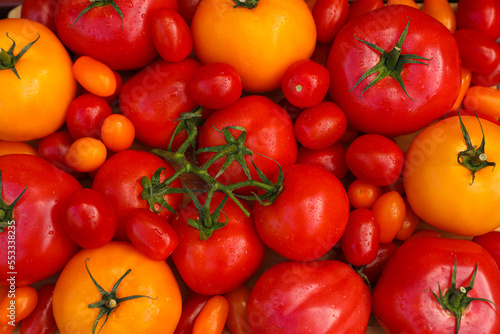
(473, 158)
(391, 64)
(456, 300)
(7, 58)
(6, 210)
(109, 300)
(100, 3)
(246, 3)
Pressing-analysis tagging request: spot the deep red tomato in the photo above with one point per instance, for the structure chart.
(331, 158)
(88, 218)
(215, 85)
(407, 295)
(293, 111)
(320, 126)
(373, 270)
(191, 307)
(171, 35)
(329, 16)
(187, 9)
(376, 159)
(491, 242)
(315, 297)
(479, 15)
(154, 98)
(378, 104)
(224, 261)
(308, 217)
(486, 79)
(360, 240)
(119, 179)
(120, 39)
(86, 114)
(53, 148)
(358, 7)
(269, 134)
(40, 11)
(151, 234)
(305, 83)
(41, 320)
(478, 51)
(35, 246)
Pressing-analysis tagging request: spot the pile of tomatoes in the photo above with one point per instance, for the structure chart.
(250, 166)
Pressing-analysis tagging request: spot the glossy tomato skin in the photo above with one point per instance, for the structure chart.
(315, 297)
(478, 52)
(269, 135)
(385, 108)
(41, 11)
(41, 320)
(86, 114)
(329, 16)
(42, 249)
(227, 259)
(143, 99)
(119, 179)
(402, 298)
(101, 34)
(331, 158)
(308, 217)
(491, 242)
(479, 15)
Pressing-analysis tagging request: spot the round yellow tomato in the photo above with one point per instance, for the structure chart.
(260, 43)
(34, 101)
(445, 193)
(156, 307)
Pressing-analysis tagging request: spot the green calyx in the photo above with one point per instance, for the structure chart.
(391, 64)
(6, 210)
(109, 300)
(100, 3)
(246, 3)
(473, 158)
(7, 58)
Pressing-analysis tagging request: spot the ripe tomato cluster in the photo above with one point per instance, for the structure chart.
(250, 166)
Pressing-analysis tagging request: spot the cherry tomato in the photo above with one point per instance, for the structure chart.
(151, 234)
(187, 9)
(14, 147)
(191, 307)
(237, 319)
(320, 126)
(53, 148)
(358, 7)
(171, 35)
(482, 15)
(375, 158)
(85, 154)
(484, 100)
(41, 320)
(361, 237)
(478, 51)
(363, 194)
(117, 132)
(95, 76)
(329, 16)
(215, 85)
(305, 83)
(86, 114)
(17, 304)
(320, 54)
(212, 316)
(409, 225)
(331, 158)
(373, 270)
(89, 218)
(389, 210)
(41, 11)
(442, 11)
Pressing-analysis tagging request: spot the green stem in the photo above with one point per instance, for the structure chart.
(246, 3)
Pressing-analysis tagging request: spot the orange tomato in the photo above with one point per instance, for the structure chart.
(85, 154)
(117, 132)
(389, 210)
(409, 225)
(464, 87)
(363, 194)
(96, 77)
(34, 104)
(156, 309)
(410, 3)
(17, 304)
(484, 100)
(442, 11)
(14, 147)
(212, 316)
(260, 43)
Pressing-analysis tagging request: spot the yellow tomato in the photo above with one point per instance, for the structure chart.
(445, 193)
(33, 103)
(156, 309)
(260, 43)
(14, 147)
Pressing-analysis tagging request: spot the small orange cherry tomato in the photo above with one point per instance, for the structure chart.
(117, 132)
(212, 317)
(390, 211)
(17, 304)
(442, 11)
(410, 3)
(237, 318)
(96, 77)
(484, 100)
(464, 86)
(85, 154)
(363, 194)
(11, 147)
(409, 225)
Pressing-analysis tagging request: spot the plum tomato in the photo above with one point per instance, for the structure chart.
(482, 16)
(478, 51)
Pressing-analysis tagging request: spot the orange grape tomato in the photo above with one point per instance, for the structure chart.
(410, 3)
(117, 132)
(409, 224)
(237, 319)
(17, 304)
(96, 77)
(484, 100)
(7, 329)
(464, 86)
(212, 317)
(85, 154)
(390, 211)
(363, 194)
(11, 147)
(442, 11)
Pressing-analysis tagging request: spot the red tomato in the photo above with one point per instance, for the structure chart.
(315, 297)
(151, 234)
(40, 11)
(154, 98)
(375, 159)
(363, 194)
(486, 79)
(482, 15)
(305, 83)
(224, 261)
(54, 147)
(187, 9)
(191, 307)
(478, 52)
(237, 318)
(331, 158)
(86, 114)
(491, 242)
(329, 16)
(309, 215)
(171, 35)
(406, 297)
(42, 249)
(215, 85)
(358, 7)
(320, 126)
(373, 270)
(41, 320)
(119, 179)
(89, 218)
(120, 39)
(380, 105)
